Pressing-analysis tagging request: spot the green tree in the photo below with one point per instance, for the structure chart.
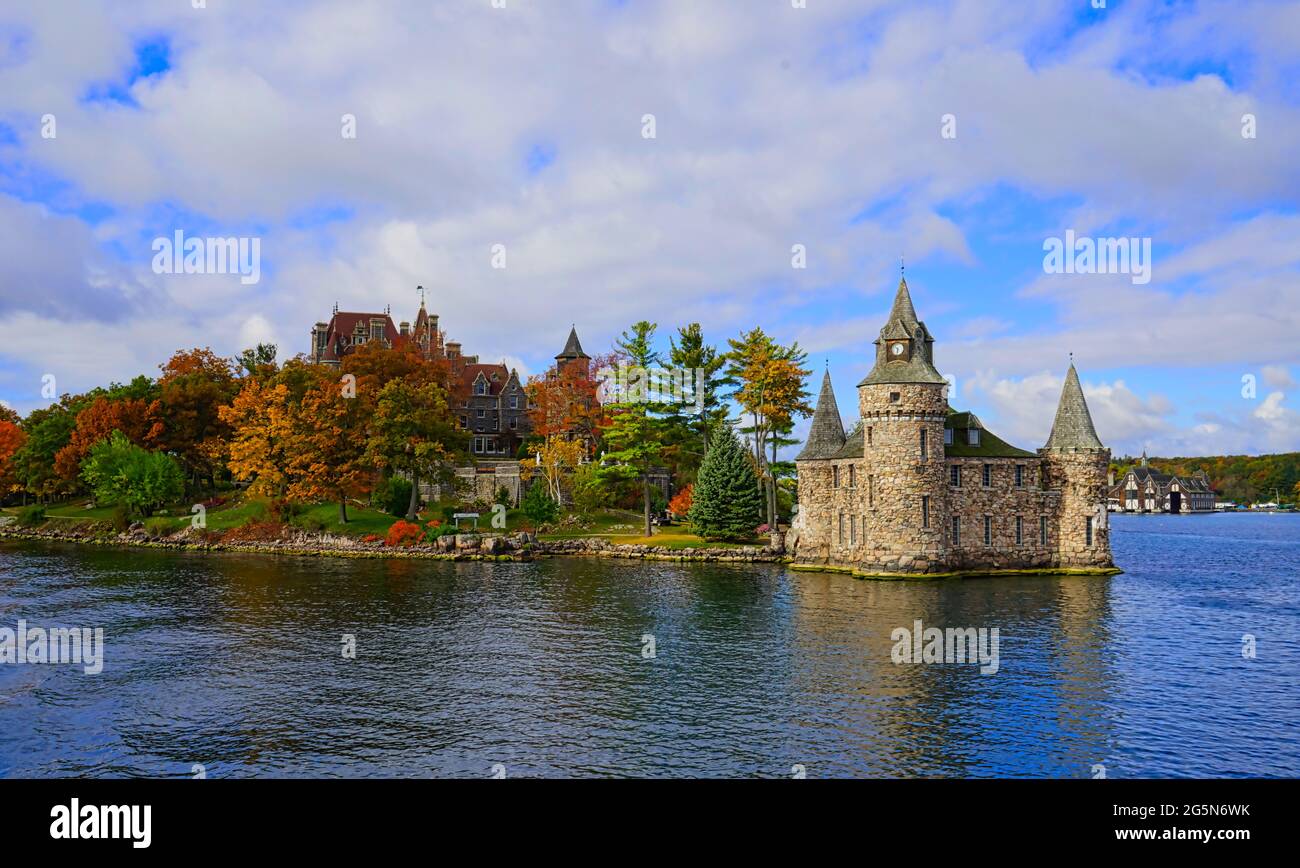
(634, 435)
(413, 433)
(538, 505)
(119, 472)
(727, 503)
(691, 425)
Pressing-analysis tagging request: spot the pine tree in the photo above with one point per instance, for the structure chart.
(728, 504)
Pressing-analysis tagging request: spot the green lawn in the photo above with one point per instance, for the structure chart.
(674, 539)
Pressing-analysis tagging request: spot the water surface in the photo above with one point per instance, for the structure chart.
(234, 662)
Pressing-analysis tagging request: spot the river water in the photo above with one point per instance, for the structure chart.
(236, 664)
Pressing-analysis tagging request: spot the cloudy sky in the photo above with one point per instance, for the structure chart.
(960, 135)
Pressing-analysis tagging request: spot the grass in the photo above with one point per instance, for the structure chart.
(683, 540)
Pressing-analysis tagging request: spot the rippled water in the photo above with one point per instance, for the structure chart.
(235, 663)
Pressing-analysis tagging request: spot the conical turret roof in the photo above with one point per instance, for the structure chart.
(826, 435)
(572, 347)
(1073, 428)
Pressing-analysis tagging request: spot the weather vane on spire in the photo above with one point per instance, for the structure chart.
(902, 266)
(420, 290)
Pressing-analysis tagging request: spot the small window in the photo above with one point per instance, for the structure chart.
(853, 530)
(871, 491)
(835, 476)
(925, 511)
(956, 530)
(947, 436)
(988, 476)
(988, 530)
(1088, 532)
(925, 451)
(954, 474)
(973, 437)
(841, 528)
(1020, 534)
(482, 413)
(1042, 530)
(869, 433)
(514, 402)
(1020, 476)
(853, 476)
(895, 397)
(514, 422)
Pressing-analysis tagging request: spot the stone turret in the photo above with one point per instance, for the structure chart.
(904, 405)
(1076, 463)
(811, 533)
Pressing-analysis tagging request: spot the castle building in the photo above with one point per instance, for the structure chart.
(918, 489)
(490, 399)
(1145, 489)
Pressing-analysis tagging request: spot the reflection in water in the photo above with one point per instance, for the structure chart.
(235, 662)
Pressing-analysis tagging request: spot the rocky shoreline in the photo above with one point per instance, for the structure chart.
(460, 547)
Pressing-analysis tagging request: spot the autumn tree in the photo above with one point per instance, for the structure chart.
(413, 432)
(12, 438)
(768, 384)
(325, 453)
(261, 420)
(194, 385)
(555, 460)
(96, 422)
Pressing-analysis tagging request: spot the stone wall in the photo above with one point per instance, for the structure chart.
(1001, 502)
(1081, 478)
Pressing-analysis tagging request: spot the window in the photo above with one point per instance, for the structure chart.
(973, 437)
(871, 492)
(988, 475)
(956, 530)
(835, 476)
(1020, 476)
(869, 433)
(853, 476)
(1088, 532)
(925, 511)
(924, 449)
(514, 402)
(478, 445)
(841, 528)
(1042, 530)
(947, 436)
(954, 473)
(988, 530)
(895, 397)
(480, 388)
(514, 422)
(853, 530)
(482, 413)
(1020, 535)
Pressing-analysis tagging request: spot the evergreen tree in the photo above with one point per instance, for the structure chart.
(634, 436)
(728, 504)
(538, 505)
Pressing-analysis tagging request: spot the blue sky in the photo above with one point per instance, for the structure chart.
(959, 135)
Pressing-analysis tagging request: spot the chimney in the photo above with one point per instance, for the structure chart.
(405, 329)
(453, 349)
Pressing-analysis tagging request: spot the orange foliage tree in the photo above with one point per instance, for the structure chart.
(96, 423)
(186, 416)
(12, 439)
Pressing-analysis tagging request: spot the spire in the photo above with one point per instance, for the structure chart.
(572, 347)
(904, 350)
(1073, 429)
(826, 435)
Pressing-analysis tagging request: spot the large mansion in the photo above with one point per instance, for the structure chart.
(1145, 489)
(489, 398)
(918, 488)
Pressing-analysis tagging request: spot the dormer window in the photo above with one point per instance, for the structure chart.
(973, 437)
(947, 436)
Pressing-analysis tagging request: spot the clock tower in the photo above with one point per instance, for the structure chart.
(904, 405)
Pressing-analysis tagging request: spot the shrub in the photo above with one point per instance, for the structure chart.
(589, 492)
(763, 530)
(503, 497)
(313, 523)
(285, 510)
(403, 534)
(680, 505)
(159, 526)
(31, 516)
(120, 518)
(538, 505)
(392, 495)
(255, 531)
(372, 538)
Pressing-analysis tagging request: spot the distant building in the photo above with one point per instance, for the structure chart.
(1145, 489)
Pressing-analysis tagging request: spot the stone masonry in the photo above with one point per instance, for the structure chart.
(920, 489)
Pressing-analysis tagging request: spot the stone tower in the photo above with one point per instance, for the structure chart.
(1076, 463)
(904, 404)
(816, 505)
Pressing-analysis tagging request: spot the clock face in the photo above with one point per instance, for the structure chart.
(896, 349)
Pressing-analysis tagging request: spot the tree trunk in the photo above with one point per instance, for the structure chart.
(645, 492)
(413, 507)
(343, 510)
